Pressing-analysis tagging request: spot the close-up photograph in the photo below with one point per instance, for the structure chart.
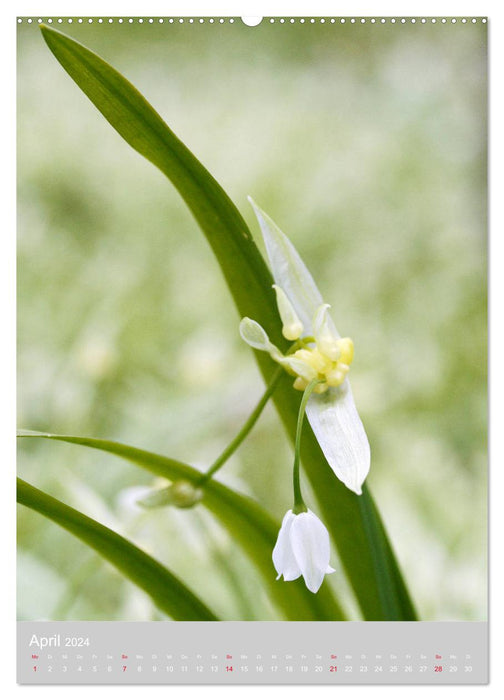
(252, 347)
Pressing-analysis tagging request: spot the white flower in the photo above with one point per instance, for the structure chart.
(322, 354)
(302, 549)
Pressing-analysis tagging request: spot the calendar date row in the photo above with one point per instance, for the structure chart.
(257, 668)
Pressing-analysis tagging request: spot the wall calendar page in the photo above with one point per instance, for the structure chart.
(252, 350)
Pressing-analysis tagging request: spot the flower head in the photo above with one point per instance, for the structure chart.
(325, 357)
(302, 549)
(320, 353)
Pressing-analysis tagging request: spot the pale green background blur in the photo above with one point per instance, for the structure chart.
(367, 145)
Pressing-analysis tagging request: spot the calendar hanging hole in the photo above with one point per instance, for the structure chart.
(251, 21)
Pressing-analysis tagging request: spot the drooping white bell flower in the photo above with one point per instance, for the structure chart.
(302, 549)
(322, 355)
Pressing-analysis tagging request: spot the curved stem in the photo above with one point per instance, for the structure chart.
(299, 504)
(251, 421)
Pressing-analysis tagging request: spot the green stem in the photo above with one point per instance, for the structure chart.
(251, 421)
(299, 504)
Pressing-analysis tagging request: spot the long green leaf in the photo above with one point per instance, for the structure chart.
(142, 127)
(250, 284)
(249, 525)
(168, 593)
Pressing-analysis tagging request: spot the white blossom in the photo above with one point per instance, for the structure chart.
(321, 354)
(302, 549)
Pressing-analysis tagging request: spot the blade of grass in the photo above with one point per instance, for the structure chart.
(248, 524)
(141, 126)
(393, 578)
(250, 284)
(167, 591)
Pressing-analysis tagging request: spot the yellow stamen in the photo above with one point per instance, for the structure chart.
(346, 348)
(313, 358)
(300, 384)
(336, 376)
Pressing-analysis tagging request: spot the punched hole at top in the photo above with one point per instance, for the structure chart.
(251, 21)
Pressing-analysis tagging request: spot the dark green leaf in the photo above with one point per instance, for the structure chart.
(168, 593)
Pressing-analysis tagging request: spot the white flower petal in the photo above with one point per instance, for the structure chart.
(255, 336)
(289, 271)
(332, 414)
(341, 435)
(127, 500)
(325, 335)
(283, 556)
(310, 544)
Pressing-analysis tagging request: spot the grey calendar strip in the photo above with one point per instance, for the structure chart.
(252, 652)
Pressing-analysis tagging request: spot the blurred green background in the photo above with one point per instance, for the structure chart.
(367, 145)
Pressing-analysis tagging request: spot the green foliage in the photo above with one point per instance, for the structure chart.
(371, 157)
(168, 593)
(250, 284)
(248, 524)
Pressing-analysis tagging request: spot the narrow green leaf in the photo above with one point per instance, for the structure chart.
(249, 525)
(141, 126)
(393, 583)
(168, 593)
(250, 284)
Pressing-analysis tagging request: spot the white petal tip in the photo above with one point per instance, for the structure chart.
(341, 435)
(291, 576)
(351, 484)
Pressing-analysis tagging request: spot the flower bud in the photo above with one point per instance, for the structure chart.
(302, 549)
(181, 494)
(292, 326)
(325, 337)
(184, 495)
